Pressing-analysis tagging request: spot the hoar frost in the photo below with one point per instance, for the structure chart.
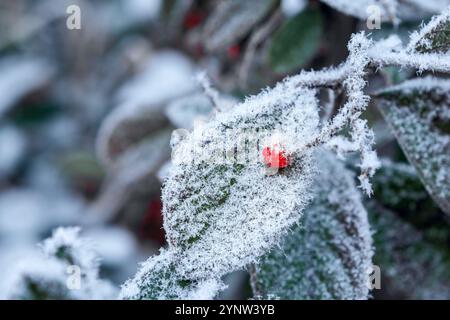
(47, 275)
(220, 216)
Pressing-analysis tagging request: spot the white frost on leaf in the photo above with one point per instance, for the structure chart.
(418, 112)
(183, 111)
(420, 40)
(328, 255)
(47, 276)
(147, 89)
(221, 216)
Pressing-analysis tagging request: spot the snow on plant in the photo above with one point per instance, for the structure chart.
(66, 269)
(328, 254)
(242, 178)
(221, 217)
(418, 111)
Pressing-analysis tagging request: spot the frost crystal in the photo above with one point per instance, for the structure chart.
(328, 256)
(413, 266)
(221, 214)
(418, 111)
(433, 37)
(223, 208)
(47, 276)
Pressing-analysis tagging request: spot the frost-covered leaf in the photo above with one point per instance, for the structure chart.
(148, 90)
(142, 101)
(133, 171)
(183, 111)
(434, 37)
(329, 254)
(222, 214)
(296, 42)
(398, 187)
(412, 267)
(419, 112)
(125, 127)
(19, 77)
(46, 277)
(232, 20)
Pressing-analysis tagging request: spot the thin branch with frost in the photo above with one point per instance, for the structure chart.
(419, 38)
(363, 54)
(212, 226)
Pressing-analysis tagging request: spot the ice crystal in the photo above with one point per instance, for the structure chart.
(418, 111)
(47, 276)
(220, 215)
(329, 254)
(432, 37)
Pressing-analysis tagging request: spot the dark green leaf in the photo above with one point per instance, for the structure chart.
(296, 43)
(434, 37)
(418, 111)
(329, 255)
(412, 267)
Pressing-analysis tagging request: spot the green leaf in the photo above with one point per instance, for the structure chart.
(329, 255)
(297, 41)
(221, 215)
(433, 37)
(34, 114)
(412, 266)
(397, 187)
(418, 111)
(411, 236)
(232, 20)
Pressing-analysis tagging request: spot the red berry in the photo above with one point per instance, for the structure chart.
(151, 224)
(234, 51)
(275, 158)
(192, 19)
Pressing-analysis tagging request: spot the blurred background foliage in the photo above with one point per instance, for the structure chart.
(86, 117)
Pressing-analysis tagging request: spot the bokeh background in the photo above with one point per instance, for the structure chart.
(86, 115)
